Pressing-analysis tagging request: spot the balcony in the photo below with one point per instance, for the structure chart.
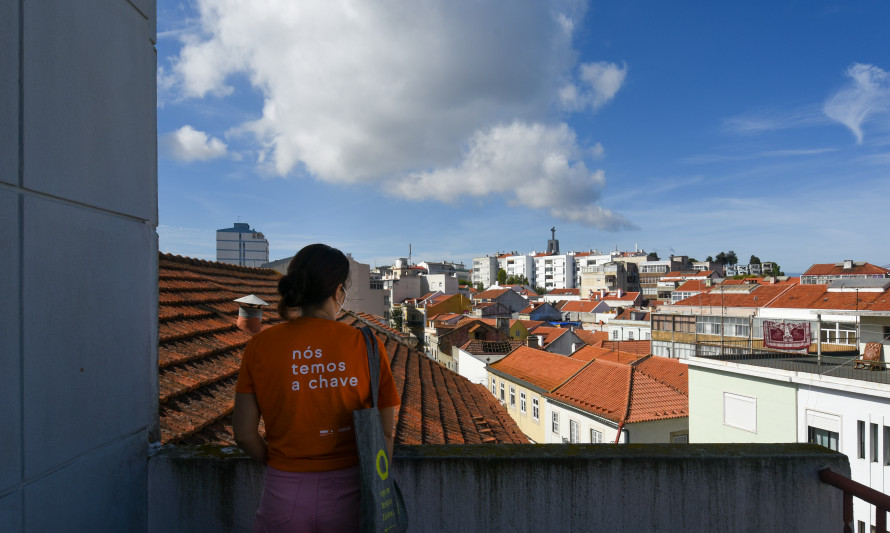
(551, 487)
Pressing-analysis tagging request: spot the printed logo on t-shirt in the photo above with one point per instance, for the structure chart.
(317, 374)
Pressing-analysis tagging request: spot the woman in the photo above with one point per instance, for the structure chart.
(305, 377)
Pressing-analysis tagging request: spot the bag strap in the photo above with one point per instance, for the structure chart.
(373, 362)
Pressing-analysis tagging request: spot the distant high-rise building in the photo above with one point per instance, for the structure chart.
(240, 245)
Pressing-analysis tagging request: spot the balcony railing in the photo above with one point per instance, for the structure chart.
(851, 488)
(838, 364)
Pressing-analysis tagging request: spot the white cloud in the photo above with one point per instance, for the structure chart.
(531, 165)
(373, 92)
(867, 94)
(769, 119)
(601, 82)
(188, 144)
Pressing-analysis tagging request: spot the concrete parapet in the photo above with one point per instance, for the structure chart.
(550, 487)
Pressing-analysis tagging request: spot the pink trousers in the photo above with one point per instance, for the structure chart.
(309, 502)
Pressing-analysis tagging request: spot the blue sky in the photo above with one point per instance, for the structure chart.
(467, 128)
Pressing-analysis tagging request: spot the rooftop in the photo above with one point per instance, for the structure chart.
(200, 353)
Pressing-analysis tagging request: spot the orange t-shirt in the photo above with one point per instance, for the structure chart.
(309, 375)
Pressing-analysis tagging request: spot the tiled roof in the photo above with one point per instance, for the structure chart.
(530, 325)
(480, 347)
(819, 297)
(837, 269)
(589, 353)
(199, 344)
(575, 292)
(550, 333)
(592, 338)
(635, 347)
(668, 371)
(542, 369)
(626, 393)
(490, 294)
(693, 285)
(580, 306)
(200, 348)
(760, 296)
(627, 314)
(627, 296)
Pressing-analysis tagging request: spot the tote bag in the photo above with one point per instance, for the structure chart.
(382, 507)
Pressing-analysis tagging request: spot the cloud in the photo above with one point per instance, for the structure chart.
(360, 92)
(532, 165)
(188, 144)
(867, 94)
(602, 81)
(767, 119)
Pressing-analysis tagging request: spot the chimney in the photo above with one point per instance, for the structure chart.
(602, 294)
(250, 314)
(620, 293)
(540, 341)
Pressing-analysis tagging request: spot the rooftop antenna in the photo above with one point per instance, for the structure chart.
(409, 253)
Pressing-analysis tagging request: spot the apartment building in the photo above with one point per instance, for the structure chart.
(555, 271)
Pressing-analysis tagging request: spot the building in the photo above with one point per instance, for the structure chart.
(786, 397)
(521, 379)
(555, 271)
(848, 269)
(485, 271)
(646, 401)
(242, 246)
(521, 265)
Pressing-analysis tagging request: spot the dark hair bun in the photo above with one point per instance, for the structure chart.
(313, 276)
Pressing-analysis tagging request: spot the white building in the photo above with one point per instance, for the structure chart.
(593, 258)
(240, 245)
(521, 265)
(485, 271)
(555, 271)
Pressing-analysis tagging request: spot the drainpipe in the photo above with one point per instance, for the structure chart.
(620, 429)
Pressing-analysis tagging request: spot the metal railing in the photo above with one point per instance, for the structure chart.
(841, 364)
(851, 488)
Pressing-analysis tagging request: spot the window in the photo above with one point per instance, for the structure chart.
(614, 334)
(886, 445)
(573, 432)
(874, 443)
(596, 437)
(522, 402)
(493, 388)
(679, 437)
(740, 411)
(822, 437)
(860, 435)
(630, 335)
(555, 422)
(535, 408)
(512, 397)
(502, 391)
(838, 333)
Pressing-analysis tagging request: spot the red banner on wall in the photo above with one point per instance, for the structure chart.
(786, 335)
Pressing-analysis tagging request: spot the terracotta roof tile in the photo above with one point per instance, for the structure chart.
(622, 392)
(837, 269)
(200, 352)
(590, 353)
(592, 338)
(543, 369)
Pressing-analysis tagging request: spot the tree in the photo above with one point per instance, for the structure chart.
(480, 286)
(721, 258)
(652, 256)
(776, 271)
(502, 277)
(395, 314)
(732, 258)
(709, 259)
(541, 290)
(754, 260)
(692, 260)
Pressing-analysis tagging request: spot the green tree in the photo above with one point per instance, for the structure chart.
(395, 315)
(754, 260)
(709, 259)
(732, 258)
(721, 258)
(502, 277)
(652, 257)
(776, 271)
(480, 286)
(541, 290)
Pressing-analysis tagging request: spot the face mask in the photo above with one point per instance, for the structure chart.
(345, 295)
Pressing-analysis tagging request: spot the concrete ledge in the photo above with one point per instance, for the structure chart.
(547, 487)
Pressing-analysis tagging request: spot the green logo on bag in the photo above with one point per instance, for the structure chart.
(384, 473)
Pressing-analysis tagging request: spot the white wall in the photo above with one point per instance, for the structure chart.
(471, 368)
(585, 424)
(78, 212)
(849, 407)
